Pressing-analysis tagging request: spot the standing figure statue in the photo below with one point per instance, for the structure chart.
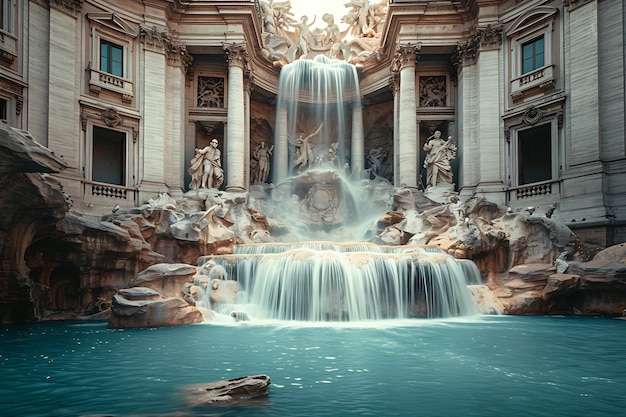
(437, 161)
(262, 155)
(304, 154)
(303, 31)
(206, 168)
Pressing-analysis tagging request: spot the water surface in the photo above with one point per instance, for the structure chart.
(483, 366)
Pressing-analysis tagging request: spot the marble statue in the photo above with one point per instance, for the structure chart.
(304, 154)
(262, 155)
(303, 31)
(437, 161)
(206, 168)
(365, 19)
(333, 36)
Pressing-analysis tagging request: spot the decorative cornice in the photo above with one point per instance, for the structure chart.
(70, 7)
(237, 54)
(574, 4)
(154, 39)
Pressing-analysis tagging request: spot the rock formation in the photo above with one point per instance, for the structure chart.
(56, 263)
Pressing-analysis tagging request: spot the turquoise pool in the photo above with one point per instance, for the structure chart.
(480, 366)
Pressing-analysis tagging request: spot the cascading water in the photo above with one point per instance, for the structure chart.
(319, 195)
(322, 281)
(318, 117)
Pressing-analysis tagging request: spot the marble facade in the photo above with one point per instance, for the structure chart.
(192, 71)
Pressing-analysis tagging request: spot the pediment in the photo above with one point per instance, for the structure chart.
(115, 22)
(535, 16)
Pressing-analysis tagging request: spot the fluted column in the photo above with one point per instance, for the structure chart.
(394, 85)
(63, 81)
(235, 135)
(281, 147)
(488, 92)
(152, 152)
(357, 151)
(407, 146)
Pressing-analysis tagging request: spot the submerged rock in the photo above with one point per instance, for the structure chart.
(228, 391)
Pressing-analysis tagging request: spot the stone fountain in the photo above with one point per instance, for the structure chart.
(325, 240)
(330, 241)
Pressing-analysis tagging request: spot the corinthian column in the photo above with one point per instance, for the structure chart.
(406, 56)
(235, 134)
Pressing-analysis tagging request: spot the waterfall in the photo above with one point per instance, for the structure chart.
(324, 281)
(316, 98)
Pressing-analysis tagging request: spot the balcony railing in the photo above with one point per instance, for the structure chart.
(101, 191)
(541, 77)
(535, 190)
(100, 79)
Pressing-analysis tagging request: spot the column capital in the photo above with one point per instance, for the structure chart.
(154, 39)
(236, 54)
(489, 37)
(574, 4)
(177, 55)
(70, 7)
(483, 39)
(406, 55)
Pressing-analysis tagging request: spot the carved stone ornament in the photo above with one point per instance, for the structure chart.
(490, 37)
(483, 39)
(532, 115)
(574, 4)
(432, 91)
(210, 92)
(111, 117)
(236, 54)
(466, 53)
(177, 55)
(153, 38)
(71, 7)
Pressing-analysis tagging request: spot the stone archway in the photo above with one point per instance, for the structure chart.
(64, 293)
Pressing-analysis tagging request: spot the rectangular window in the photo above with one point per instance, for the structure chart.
(535, 154)
(6, 15)
(111, 58)
(109, 156)
(533, 55)
(3, 110)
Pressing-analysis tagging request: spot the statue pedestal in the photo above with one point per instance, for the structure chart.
(440, 193)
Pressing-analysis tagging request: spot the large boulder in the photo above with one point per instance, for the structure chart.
(152, 310)
(596, 287)
(156, 298)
